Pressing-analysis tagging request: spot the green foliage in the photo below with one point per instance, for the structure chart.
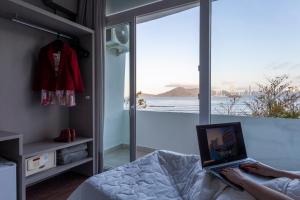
(277, 98)
(141, 102)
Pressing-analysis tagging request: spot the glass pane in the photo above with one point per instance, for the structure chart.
(116, 120)
(255, 75)
(168, 82)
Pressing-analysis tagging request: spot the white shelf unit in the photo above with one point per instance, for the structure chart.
(54, 171)
(33, 149)
(19, 9)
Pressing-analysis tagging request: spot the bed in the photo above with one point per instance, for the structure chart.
(166, 175)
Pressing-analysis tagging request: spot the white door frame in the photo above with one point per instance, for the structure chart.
(159, 6)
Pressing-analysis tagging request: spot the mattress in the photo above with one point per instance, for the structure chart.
(164, 175)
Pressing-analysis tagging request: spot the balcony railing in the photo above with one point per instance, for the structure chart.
(269, 140)
(272, 141)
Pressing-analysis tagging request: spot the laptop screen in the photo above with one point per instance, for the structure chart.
(221, 143)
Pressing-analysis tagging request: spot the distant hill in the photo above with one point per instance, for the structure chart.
(183, 92)
(147, 95)
(180, 92)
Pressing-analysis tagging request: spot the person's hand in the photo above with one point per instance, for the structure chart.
(234, 175)
(260, 169)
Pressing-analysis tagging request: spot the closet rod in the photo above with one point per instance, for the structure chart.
(40, 28)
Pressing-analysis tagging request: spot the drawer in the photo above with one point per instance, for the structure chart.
(40, 163)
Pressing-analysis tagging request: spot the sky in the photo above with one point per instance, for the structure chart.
(252, 40)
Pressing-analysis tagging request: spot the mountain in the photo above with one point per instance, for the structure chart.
(180, 92)
(146, 95)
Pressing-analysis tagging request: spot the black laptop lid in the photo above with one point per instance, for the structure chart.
(221, 143)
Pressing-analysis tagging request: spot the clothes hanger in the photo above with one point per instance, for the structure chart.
(58, 43)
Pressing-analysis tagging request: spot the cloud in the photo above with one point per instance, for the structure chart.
(279, 65)
(283, 65)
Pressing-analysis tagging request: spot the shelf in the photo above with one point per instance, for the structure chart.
(53, 171)
(9, 136)
(41, 17)
(35, 148)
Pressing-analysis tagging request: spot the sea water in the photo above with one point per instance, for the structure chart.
(219, 105)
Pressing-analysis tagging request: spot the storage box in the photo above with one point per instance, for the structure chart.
(8, 180)
(40, 163)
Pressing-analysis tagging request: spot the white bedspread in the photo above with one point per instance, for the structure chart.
(167, 175)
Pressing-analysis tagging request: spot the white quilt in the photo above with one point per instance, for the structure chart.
(167, 175)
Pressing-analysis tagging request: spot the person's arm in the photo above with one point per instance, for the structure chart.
(261, 192)
(290, 175)
(258, 191)
(265, 170)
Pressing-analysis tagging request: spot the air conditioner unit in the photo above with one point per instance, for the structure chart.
(117, 38)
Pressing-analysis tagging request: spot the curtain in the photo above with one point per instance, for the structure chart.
(91, 13)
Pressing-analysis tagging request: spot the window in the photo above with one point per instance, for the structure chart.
(255, 74)
(167, 82)
(167, 63)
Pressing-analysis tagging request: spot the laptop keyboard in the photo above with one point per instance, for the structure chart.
(233, 165)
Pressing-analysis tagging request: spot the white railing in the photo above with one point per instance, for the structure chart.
(272, 141)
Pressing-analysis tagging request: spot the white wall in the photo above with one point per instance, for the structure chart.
(170, 131)
(115, 117)
(272, 141)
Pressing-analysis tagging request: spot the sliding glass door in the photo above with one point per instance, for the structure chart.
(118, 103)
(165, 87)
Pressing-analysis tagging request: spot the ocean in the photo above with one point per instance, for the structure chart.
(219, 105)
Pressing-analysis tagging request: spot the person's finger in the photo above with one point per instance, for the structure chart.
(235, 170)
(251, 169)
(247, 168)
(224, 171)
(227, 170)
(254, 165)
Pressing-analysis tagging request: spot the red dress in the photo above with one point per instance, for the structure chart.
(58, 75)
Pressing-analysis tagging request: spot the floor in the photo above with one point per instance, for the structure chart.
(120, 157)
(57, 188)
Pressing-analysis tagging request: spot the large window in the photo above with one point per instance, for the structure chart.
(255, 58)
(167, 63)
(256, 75)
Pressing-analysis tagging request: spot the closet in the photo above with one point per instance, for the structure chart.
(24, 29)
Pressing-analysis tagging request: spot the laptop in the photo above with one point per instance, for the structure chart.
(222, 146)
